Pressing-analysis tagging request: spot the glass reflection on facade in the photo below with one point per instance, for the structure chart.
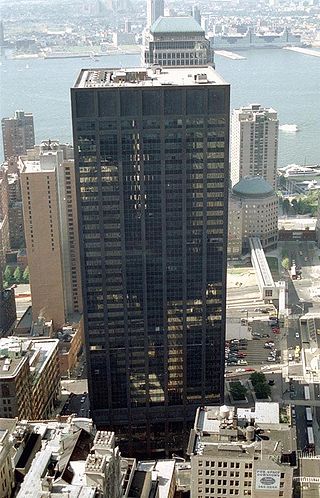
(152, 171)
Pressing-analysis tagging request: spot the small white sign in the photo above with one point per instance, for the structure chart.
(267, 479)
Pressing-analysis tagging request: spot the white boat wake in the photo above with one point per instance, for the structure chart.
(289, 128)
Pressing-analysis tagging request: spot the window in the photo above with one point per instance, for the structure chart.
(173, 101)
(150, 103)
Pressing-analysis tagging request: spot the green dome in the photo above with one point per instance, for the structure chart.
(254, 187)
(176, 25)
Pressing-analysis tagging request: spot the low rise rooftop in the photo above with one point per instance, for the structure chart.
(240, 433)
(14, 351)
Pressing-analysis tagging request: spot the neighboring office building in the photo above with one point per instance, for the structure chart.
(8, 312)
(155, 9)
(308, 482)
(254, 143)
(235, 230)
(153, 273)
(16, 226)
(67, 457)
(50, 145)
(154, 478)
(177, 41)
(70, 346)
(196, 14)
(70, 337)
(239, 452)
(253, 212)
(29, 377)
(318, 223)
(17, 134)
(6, 467)
(51, 230)
(4, 216)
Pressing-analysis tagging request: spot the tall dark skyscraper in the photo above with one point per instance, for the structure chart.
(151, 152)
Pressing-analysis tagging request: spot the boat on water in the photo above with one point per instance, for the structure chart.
(296, 171)
(289, 128)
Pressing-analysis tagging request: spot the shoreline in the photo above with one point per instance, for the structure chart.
(69, 55)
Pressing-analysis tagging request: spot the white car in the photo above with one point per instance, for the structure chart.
(297, 335)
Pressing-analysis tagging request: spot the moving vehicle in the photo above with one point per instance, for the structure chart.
(309, 415)
(306, 392)
(293, 272)
(310, 439)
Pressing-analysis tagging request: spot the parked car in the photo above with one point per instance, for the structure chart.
(242, 362)
(271, 358)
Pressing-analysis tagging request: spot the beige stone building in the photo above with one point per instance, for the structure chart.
(254, 143)
(51, 231)
(68, 458)
(241, 453)
(6, 467)
(15, 382)
(70, 346)
(4, 216)
(253, 212)
(29, 377)
(17, 134)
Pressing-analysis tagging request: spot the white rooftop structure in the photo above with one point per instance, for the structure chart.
(266, 283)
(161, 471)
(264, 413)
(58, 442)
(152, 77)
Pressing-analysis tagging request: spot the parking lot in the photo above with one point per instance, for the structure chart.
(255, 351)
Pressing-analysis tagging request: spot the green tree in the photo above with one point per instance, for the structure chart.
(285, 263)
(294, 204)
(286, 206)
(257, 378)
(237, 390)
(8, 276)
(17, 275)
(262, 390)
(26, 275)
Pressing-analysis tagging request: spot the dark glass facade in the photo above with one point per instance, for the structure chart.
(152, 175)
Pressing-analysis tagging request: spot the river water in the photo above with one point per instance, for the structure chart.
(287, 81)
